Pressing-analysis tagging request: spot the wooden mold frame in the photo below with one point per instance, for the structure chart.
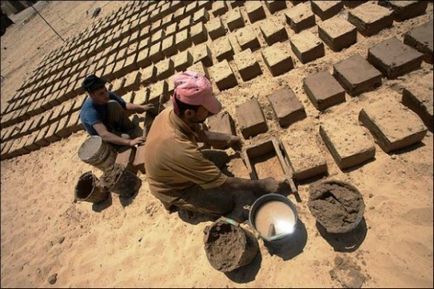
(272, 146)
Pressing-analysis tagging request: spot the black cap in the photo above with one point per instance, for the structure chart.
(92, 83)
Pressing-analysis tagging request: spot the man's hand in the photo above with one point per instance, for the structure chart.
(137, 141)
(235, 143)
(152, 108)
(271, 185)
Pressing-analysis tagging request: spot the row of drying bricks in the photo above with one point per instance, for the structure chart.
(366, 78)
(248, 68)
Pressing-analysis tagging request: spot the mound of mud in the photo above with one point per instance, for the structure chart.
(336, 205)
(228, 247)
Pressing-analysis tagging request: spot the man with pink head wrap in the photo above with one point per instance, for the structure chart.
(178, 172)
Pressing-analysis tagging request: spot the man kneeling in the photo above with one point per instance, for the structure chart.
(178, 173)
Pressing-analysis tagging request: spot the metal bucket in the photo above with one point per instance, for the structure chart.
(121, 181)
(280, 224)
(228, 256)
(88, 190)
(97, 153)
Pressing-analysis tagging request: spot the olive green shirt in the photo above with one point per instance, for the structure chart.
(173, 160)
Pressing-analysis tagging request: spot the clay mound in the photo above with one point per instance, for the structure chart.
(227, 246)
(337, 206)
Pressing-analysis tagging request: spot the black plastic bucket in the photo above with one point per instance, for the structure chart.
(88, 190)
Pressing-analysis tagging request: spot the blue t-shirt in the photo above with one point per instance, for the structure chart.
(91, 113)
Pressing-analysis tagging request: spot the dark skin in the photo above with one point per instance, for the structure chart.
(219, 140)
(101, 97)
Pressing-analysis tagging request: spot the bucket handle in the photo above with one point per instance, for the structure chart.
(230, 221)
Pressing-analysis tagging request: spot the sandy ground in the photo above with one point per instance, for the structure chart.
(44, 232)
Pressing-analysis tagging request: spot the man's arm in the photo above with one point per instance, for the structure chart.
(257, 187)
(219, 140)
(112, 138)
(137, 108)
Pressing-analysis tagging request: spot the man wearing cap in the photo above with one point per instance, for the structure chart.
(178, 173)
(105, 114)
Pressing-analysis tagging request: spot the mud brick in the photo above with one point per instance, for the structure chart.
(247, 65)
(199, 68)
(275, 5)
(277, 59)
(17, 148)
(143, 58)
(74, 122)
(219, 8)
(348, 143)
(384, 118)
(254, 10)
(418, 96)
(421, 38)
(168, 46)
(57, 112)
(158, 91)
(141, 96)
(215, 28)
(223, 75)
(306, 46)
(323, 90)
(223, 49)
(129, 97)
(183, 40)
(370, 18)
(143, 43)
(286, 106)
(191, 7)
(304, 155)
(184, 23)
(164, 69)
(171, 29)
(63, 130)
(182, 60)
(126, 157)
(155, 53)
(394, 58)
(118, 85)
(300, 17)
(251, 119)
(51, 135)
(27, 124)
(148, 74)
(30, 144)
(246, 38)
(403, 10)
(118, 68)
(132, 81)
(205, 4)
(234, 19)
(273, 32)
(40, 137)
(337, 33)
(36, 123)
(130, 64)
(222, 123)
(202, 53)
(139, 159)
(356, 75)
(198, 33)
(201, 15)
(326, 9)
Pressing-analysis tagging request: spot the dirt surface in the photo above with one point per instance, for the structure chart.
(128, 246)
(268, 166)
(336, 206)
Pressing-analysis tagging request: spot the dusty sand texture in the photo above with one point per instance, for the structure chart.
(44, 233)
(336, 206)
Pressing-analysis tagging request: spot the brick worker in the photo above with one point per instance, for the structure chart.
(105, 114)
(178, 173)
